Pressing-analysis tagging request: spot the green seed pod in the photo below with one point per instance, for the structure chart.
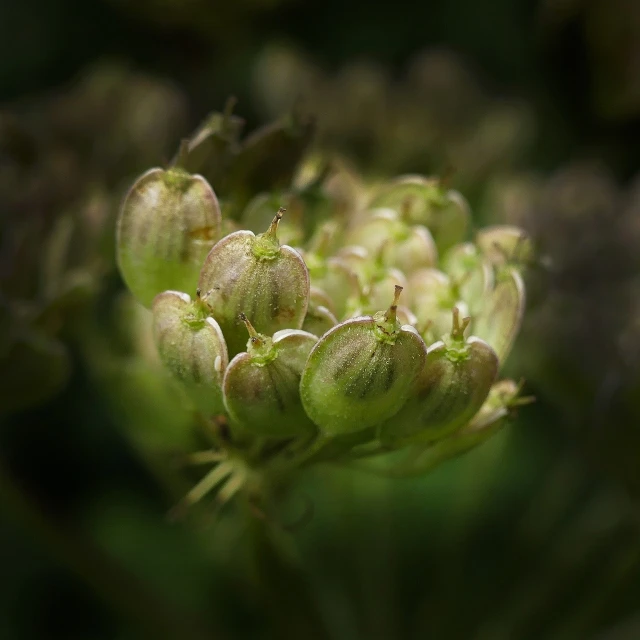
(191, 345)
(427, 202)
(256, 273)
(432, 298)
(261, 385)
(168, 222)
(377, 288)
(336, 278)
(500, 320)
(361, 372)
(470, 274)
(374, 277)
(505, 244)
(358, 259)
(492, 417)
(450, 390)
(319, 318)
(403, 246)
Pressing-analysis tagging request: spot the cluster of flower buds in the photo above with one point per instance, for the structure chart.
(382, 331)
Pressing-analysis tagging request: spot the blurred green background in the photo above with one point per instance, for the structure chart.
(533, 106)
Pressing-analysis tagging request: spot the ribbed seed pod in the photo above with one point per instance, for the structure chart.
(403, 246)
(492, 417)
(245, 273)
(192, 347)
(261, 385)
(449, 391)
(168, 222)
(427, 202)
(500, 320)
(361, 372)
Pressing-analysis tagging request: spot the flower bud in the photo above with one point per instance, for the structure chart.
(256, 273)
(168, 222)
(361, 372)
(501, 317)
(191, 346)
(428, 202)
(261, 385)
(451, 388)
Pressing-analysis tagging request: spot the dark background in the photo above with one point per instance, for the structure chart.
(534, 536)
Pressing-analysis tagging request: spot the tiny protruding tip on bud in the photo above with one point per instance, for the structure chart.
(458, 329)
(198, 293)
(273, 227)
(254, 336)
(390, 315)
(183, 154)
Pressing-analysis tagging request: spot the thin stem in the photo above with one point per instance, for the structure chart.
(214, 477)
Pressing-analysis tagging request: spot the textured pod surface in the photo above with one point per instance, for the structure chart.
(261, 386)
(448, 393)
(501, 318)
(168, 222)
(360, 373)
(245, 273)
(191, 346)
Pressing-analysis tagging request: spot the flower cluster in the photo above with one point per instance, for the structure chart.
(380, 330)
